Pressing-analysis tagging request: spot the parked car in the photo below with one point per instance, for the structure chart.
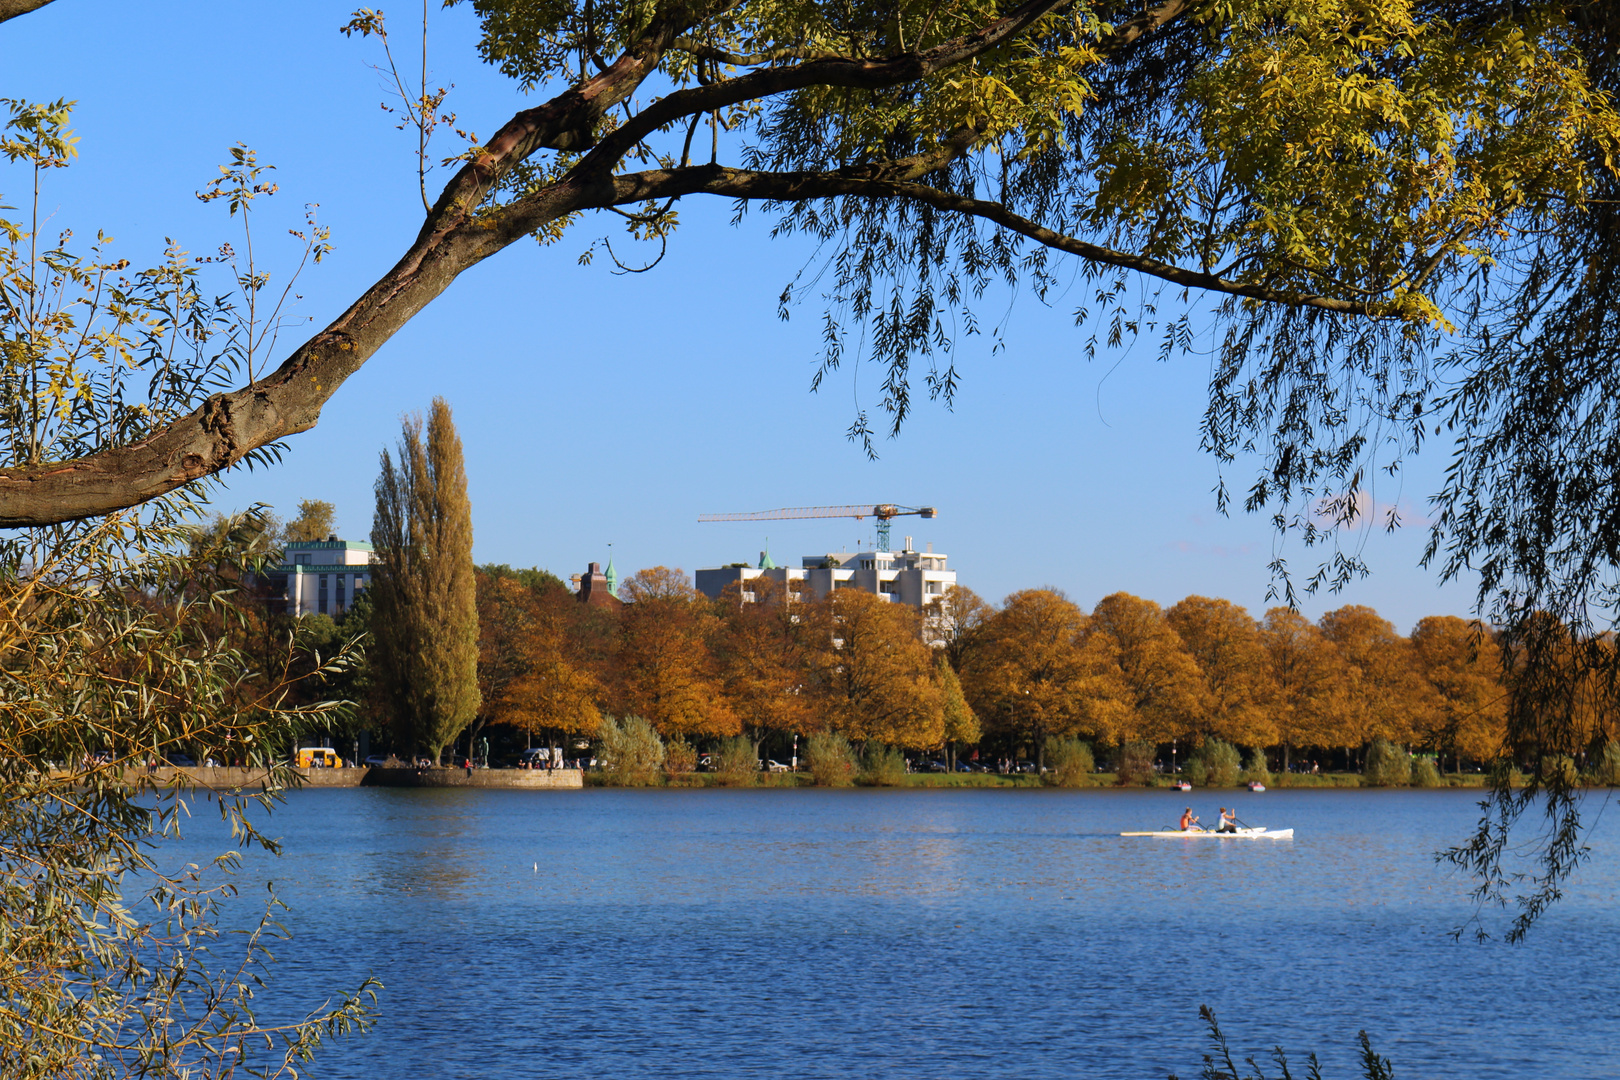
(772, 766)
(378, 759)
(965, 766)
(1024, 767)
(936, 766)
(184, 761)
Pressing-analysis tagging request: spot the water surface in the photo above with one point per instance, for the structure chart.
(979, 933)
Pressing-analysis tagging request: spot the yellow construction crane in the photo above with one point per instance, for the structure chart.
(884, 512)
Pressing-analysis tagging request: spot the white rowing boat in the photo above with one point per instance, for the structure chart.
(1258, 833)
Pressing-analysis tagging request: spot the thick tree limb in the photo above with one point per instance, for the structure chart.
(10, 9)
(217, 434)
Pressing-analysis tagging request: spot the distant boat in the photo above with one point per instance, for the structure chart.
(1182, 785)
(1255, 785)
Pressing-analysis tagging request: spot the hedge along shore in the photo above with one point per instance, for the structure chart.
(1016, 780)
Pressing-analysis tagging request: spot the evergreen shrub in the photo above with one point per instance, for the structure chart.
(1195, 772)
(1608, 767)
(633, 751)
(1387, 765)
(736, 762)
(831, 760)
(1217, 764)
(1069, 763)
(1257, 770)
(882, 766)
(680, 757)
(1559, 767)
(1135, 763)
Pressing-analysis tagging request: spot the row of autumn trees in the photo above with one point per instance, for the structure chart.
(450, 650)
(1008, 677)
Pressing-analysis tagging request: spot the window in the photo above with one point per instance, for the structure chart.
(320, 603)
(301, 560)
(339, 608)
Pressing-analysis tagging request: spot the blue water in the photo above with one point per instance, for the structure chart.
(605, 933)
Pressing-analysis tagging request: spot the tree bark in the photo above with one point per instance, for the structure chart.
(10, 9)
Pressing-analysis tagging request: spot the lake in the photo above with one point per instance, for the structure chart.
(900, 933)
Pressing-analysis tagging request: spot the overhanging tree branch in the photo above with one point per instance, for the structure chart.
(458, 234)
(10, 9)
(228, 426)
(895, 180)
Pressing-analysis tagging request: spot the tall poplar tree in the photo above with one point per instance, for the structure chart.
(424, 589)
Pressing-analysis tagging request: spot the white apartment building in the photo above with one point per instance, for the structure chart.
(322, 577)
(910, 577)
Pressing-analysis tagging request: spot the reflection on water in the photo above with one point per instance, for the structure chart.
(901, 933)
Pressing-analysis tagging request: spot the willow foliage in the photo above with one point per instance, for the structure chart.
(120, 642)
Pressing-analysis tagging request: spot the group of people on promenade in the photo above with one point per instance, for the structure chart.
(1189, 821)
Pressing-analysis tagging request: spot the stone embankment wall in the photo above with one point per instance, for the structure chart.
(241, 778)
(227, 778)
(479, 778)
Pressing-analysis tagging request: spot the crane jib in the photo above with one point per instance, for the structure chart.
(884, 512)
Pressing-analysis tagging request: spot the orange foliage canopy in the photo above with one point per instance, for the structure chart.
(1037, 666)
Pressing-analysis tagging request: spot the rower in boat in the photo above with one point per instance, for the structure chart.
(1243, 833)
(1228, 820)
(1189, 823)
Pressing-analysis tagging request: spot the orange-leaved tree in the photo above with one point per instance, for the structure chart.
(1148, 669)
(1029, 675)
(1308, 676)
(1225, 640)
(955, 620)
(1460, 661)
(527, 668)
(1384, 691)
(871, 676)
(759, 649)
(666, 671)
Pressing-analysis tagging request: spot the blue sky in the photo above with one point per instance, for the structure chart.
(599, 409)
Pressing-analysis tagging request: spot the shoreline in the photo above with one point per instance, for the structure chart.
(223, 778)
(1026, 781)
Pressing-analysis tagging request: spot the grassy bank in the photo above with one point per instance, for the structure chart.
(994, 780)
